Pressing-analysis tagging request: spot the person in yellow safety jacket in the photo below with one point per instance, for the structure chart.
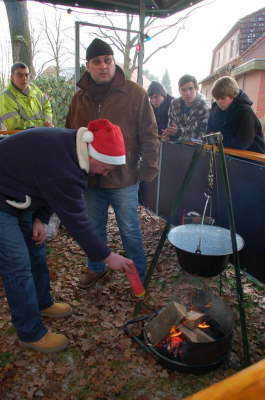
(23, 105)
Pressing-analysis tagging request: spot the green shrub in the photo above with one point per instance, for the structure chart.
(60, 92)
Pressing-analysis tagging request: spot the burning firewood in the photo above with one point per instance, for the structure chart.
(192, 319)
(176, 314)
(196, 335)
(159, 326)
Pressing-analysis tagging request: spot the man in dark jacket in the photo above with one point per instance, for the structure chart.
(44, 170)
(106, 93)
(160, 101)
(233, 116)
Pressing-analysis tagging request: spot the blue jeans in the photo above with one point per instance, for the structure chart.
(25, 275)
(124, 202)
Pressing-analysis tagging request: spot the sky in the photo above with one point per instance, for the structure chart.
(190, 53)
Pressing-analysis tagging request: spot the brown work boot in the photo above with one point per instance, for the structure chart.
(49, 343)
(89, 278)
(57, 310)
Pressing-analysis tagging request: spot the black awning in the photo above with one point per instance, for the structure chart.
(155, 8)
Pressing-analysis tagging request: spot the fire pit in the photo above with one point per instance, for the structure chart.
(191, 352)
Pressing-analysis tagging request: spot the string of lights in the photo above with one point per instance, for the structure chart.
(70, 11)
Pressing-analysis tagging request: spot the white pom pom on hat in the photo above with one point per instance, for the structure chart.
(87, 136)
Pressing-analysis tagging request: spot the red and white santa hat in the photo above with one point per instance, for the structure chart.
(105, 142)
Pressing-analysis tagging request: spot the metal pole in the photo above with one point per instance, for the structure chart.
(77, 42)
(240, 294)
(159, 248)
(77, 52)
(141, 43)
(158, 178)
(113, 28)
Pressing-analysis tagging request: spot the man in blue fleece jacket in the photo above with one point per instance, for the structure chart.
(44, 170)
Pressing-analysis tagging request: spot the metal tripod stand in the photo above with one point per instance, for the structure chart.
(216, 139)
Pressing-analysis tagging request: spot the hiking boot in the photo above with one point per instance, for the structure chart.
(89, 278)
(57, 310)
(49, 343)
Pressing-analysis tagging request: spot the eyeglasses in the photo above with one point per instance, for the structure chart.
(22, 74)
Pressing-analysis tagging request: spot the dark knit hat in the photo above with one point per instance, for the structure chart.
(156, 88)
(98, 48)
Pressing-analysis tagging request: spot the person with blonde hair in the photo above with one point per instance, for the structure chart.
(232, 115)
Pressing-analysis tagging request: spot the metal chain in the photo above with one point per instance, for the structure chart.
(211, 171)
(209, 191)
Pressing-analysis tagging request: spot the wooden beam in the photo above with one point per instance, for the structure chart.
(250, 155)
(9, 132)
(248, 384)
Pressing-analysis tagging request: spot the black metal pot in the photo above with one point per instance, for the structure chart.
(203, 249)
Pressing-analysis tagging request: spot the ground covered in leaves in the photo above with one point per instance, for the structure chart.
(101, 362)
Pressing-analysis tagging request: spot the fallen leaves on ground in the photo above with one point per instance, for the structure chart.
(101, 362)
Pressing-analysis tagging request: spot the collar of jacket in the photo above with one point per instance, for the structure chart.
(198, 100)
(25, 92)
(13, 88)
(166, 103)
(118, 82)
(82, 149)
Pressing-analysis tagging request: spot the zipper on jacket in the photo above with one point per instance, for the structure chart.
(99, 109)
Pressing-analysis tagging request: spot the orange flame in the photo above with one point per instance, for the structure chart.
(174, 331)
(203, 325)
(175, 339)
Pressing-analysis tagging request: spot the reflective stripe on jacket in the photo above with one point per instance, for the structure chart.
(20, 111)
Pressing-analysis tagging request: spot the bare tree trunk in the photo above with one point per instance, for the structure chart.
(19, 31)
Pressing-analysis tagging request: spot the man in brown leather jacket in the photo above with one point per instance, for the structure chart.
(106, 93)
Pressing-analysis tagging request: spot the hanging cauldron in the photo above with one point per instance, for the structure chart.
(203, 249)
